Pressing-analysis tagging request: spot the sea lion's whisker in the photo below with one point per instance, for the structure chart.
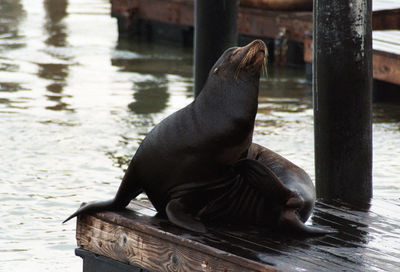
(265, 68)
(250, 55)
(245, 60)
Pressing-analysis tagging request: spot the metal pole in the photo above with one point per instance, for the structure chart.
(215, 31)
(342, 89)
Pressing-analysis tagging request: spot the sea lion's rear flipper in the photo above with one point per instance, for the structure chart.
(262, 178)
(290, 222)
(177, 215)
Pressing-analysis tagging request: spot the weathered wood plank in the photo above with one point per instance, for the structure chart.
(162, 252)
(366, 241)
(386, 68)
(386, 14)
(236, 239)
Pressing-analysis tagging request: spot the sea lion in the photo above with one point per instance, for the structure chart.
(192, 162)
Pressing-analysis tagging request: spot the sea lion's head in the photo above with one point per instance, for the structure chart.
(241, 62)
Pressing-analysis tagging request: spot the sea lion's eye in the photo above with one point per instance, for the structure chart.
(216, 70)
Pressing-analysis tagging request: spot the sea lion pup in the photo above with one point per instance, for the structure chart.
(191, 163)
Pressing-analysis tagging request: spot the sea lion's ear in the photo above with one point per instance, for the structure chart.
(216, 70)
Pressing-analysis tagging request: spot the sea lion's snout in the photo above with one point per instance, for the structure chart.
(257, 53)
(254, 57)
(258, 45)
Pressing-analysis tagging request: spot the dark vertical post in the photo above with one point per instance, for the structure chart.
(215, 31)
(342, 89)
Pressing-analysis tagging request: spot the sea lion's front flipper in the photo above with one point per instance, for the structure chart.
(177, 215)
(290, 222)
(125, 194)
(91, 207)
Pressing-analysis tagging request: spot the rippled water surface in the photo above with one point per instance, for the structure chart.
(75, 102)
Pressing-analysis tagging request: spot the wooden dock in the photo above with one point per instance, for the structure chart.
(136, 16)
(386, 55)
(386, 14)
(137, 240)
(287, 34)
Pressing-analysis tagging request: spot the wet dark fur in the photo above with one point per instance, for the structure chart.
(199, 164)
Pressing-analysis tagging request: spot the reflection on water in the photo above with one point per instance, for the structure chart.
(151, 96)
(152, 58)
(75, 103)
(55, 73)
(56, 11)
(12, 13)
(387, 113)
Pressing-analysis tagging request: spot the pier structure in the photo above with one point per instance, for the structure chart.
(288, 34)
(136, 239)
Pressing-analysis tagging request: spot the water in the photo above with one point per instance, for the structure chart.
(75, 102)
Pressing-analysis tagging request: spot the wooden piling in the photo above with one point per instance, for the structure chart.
(342, 89)
(215, 30)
